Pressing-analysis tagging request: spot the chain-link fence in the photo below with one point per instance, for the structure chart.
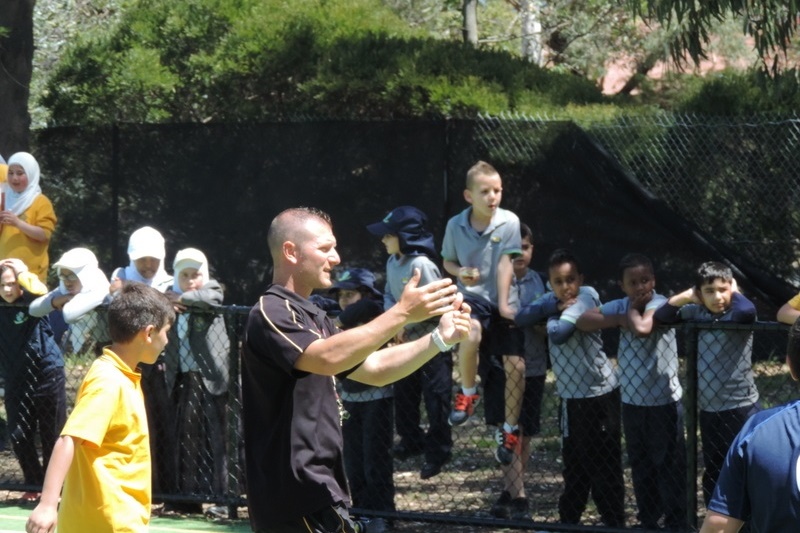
(633, 443)
(682, 190)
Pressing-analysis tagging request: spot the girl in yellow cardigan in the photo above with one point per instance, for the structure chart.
(27, 219)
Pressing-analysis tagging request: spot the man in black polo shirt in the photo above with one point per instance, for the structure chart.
(292, 425)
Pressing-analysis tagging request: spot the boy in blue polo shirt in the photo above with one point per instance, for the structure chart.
(652, 413)
(410, 247)
(477, 249)
(590, 399)
(727, 394)
(760, 481)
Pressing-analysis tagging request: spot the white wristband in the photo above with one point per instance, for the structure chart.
(440, 343)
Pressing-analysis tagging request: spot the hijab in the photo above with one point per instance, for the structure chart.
(83, 263)
(147, 242)
(188, 258)
(94, 283)
(19, 202)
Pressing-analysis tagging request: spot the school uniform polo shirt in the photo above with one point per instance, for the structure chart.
(293, 439)
(648, 365)
(725, 377)
(760, 481)
(465, 246)
(108, 486)
(581, 367)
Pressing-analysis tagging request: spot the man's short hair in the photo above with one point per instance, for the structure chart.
(793, 349)
(136, 307)
(481, 168)
(284, 226)
(561, 256)
(711, 270)
(634, 260)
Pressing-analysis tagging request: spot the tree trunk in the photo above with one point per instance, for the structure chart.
(16, 64)
(642, 68)
(531, 31)
(470, 12)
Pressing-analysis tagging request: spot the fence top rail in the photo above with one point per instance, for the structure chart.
(238, 309)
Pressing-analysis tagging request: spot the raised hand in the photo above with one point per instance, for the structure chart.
(421, 303)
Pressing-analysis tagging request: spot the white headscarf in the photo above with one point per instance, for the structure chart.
(19, 202)
(147, 242)
(188, 258)
(94, 283)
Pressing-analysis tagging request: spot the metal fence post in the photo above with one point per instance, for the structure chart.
(690, 412)
(232, 442)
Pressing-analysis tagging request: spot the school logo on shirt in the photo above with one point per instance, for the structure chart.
(496, 239)
(404, 280)
(21, 318)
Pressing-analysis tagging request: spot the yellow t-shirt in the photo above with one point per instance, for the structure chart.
(14, 243)
(108, 487)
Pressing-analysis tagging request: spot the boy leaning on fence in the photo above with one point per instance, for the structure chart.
(102, 458)
(590, 398)
(477, 249)
(760, 480)
(33, 368)
(652, 412)
(727, 394)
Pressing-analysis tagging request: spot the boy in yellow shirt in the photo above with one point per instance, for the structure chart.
(102, 458)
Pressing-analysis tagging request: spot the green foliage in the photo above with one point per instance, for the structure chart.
(733, 92)
(770, 23)
(201, 60)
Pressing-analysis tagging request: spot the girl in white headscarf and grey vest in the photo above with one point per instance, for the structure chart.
(197, 360)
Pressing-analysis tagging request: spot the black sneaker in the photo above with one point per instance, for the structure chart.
(402, 451)
(377, 525)
(519, 509)
(502, 507)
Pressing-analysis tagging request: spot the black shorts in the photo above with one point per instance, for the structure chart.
(505, 338)
(531, 414)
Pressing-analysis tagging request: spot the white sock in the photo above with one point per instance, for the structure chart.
(508, 428)
(469, 391)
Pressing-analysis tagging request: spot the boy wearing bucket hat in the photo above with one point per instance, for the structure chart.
(411, 247)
